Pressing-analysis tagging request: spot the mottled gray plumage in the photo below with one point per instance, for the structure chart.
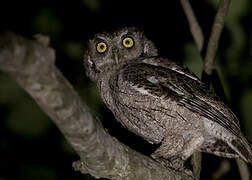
(160, 100)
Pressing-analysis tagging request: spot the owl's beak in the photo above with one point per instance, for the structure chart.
(116, 58)
(115, 54)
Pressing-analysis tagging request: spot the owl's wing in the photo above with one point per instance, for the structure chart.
(169, 80)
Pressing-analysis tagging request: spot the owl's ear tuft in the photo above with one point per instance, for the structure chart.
(149, 48)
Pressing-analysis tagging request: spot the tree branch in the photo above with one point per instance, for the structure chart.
(243, 169)
(217, 27)
(195, 28)
(196, 164)
(31, 64)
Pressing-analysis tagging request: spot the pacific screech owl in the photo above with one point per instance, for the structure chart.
(160, 100)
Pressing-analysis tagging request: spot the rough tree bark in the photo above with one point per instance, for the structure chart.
(31, 64)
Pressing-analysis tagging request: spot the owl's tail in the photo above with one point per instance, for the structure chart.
(243, 148)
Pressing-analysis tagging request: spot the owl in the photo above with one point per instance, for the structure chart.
(161, 101)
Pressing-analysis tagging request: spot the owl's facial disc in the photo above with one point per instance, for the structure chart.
(108, 51)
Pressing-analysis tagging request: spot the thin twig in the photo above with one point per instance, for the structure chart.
(243, 169)
(217, 27)
(222, 170)
(196, 164)
(195, 28)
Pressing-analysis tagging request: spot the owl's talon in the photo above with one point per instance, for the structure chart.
(79, 166)
(177, 162)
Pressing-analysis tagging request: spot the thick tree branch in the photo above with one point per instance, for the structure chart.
(31, 64)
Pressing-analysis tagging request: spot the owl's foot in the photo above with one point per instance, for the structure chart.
(164, 162)
(79, 166)
(174, 162)
(177, 163)
(192, 145)
(171, 146)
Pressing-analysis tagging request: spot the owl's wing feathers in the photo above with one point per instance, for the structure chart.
(179, 84)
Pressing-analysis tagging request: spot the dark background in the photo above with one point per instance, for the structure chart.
(31, 146)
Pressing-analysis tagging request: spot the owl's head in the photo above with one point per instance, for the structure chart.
(107, 51)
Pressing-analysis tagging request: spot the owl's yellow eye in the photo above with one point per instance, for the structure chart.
(128, 42)
(101, 47)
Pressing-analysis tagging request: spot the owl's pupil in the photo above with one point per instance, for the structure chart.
(127, 42)
(102, 46)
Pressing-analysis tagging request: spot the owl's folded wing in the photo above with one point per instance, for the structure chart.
(174, 82)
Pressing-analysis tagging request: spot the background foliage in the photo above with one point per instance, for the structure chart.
(31, 147)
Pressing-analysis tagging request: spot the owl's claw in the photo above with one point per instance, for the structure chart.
(174, 162)
(177, 162)
(79, 166)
